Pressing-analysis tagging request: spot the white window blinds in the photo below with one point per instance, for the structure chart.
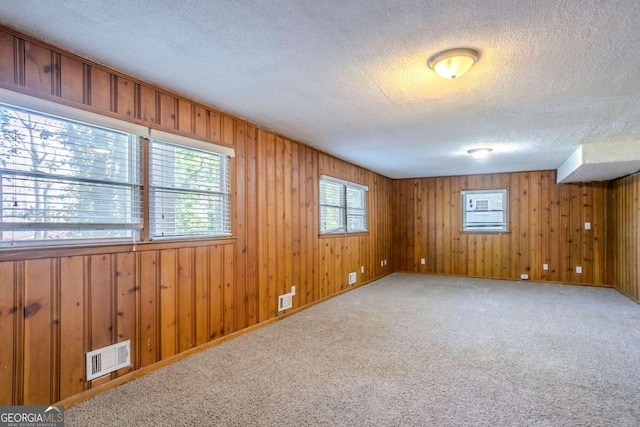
(343, 206)
(65, 179)
(189, 191)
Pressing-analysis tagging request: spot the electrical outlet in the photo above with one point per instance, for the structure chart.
(293, 290)
(579, 269)
(423, 261)
(385, 262)
(587, 226)
(381, 263)
(362, 269)
(545, 267)
(524, 276)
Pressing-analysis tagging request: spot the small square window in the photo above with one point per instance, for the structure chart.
(484, 210)
(343, 206)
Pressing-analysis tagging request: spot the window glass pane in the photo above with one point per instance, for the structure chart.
(190, 193)
(356, 221)
(62, 179)
(342, 207)
(331, 193)
(332, 219)
(355, 198)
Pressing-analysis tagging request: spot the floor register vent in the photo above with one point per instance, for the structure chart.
(108, 359)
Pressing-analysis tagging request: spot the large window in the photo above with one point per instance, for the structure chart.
(66, 180)
(189, 191)
(72, 176)
(484, 210)
(343, 206)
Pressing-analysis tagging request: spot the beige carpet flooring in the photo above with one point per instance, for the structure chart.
(407, 350)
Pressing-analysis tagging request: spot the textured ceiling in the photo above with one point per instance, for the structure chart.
(350, 77)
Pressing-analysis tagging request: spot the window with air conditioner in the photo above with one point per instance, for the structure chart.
(484, 210)
(343, 206)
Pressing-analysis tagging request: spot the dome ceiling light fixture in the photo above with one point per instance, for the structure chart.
(480, 153)
(453, 63)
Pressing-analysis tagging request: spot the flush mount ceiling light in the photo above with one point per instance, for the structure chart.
(480, 153)
(453, 63)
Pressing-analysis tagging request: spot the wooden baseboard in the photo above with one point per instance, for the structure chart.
(92, 392)
(549, 282)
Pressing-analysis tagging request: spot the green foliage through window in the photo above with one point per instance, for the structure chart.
(66, 180)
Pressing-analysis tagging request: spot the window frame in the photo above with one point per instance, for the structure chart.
(132, 161)
(346, 210)
(140, 134)
(492, 227)
(225, 185)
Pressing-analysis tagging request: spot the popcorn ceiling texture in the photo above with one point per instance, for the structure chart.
(407, 350)
(350, 78)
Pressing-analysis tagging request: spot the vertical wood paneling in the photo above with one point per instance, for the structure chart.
(271, 229)
(215, 131)
(201, 273)
(39, 68)
(101, 304)
(185, 119)
(168, 315)
(168, 298)
(125, 100)
(545, 226)
(72, 325)
(148, 104)
(261, 224)
(72, 78)
(341, 255)
(149, 308)
(216, 301)
(240, 222)
(185, 294)
(624, 223)
(201, 122)
(7, 66)
(167, 114)
(127, 293)
(8, 318)
(251, 228)
(39, 317)
(100, 89)
(228, 289)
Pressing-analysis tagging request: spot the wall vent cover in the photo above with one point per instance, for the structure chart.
(108, 359)
(352, 278)
(285, 301)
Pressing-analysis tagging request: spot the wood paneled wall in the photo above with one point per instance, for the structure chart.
(341, 255)
(546, 225)
(54, 310)
(625, 235)
(167, 298)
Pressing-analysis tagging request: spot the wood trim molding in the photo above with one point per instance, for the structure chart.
(92, 392)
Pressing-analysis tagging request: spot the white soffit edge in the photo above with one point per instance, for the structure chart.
(601, 161)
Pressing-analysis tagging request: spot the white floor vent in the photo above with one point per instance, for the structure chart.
(108, 359)
(285, 301)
